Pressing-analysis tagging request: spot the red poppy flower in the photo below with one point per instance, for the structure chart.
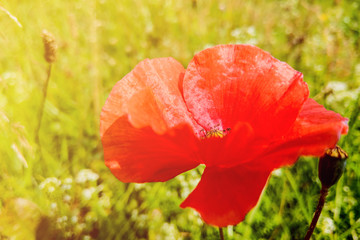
(235, 109)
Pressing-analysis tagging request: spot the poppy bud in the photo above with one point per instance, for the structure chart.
(331, 166)
(49, 46)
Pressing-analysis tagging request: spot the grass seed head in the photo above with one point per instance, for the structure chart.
(50, 46)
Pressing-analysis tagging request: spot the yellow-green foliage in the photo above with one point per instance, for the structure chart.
(66, 192)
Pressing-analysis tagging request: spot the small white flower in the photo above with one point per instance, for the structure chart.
(138, 186)
(86, 175)
(88, 193)
(67, 198)
(236, 33)
(329, 226)
(66, 186)
(251, 30)
(53, 206)
(52, 181)
(169, 230)
(68, 180)
(185, 192)
(337, 86)
(74, 219)
(278, 172)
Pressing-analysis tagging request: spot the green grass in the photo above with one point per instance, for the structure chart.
(99, 41)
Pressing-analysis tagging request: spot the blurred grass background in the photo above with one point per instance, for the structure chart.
(68, 193)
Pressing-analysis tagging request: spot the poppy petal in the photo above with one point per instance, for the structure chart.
(141, 155)
(315, 119)
(146, 130)
(225, 195)
(149, 94)
(315, 130)
(230, 83)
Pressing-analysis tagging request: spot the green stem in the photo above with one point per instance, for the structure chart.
(323, 193)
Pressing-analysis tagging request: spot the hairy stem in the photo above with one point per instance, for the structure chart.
(323, 193)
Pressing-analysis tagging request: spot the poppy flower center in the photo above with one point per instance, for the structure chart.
(214, 132)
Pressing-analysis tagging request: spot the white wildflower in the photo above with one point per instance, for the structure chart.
(66, 186)
(236, 33)
(74, 219)
(67, 198)
(53, 206)
(328, 225)
(337, 86)
(68, 180)
(87, 193)
(86, 175)
(52, 181)
(278, 172)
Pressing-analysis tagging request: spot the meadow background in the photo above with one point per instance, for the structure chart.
(65, 191)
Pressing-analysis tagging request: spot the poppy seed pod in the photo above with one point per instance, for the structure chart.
(331, 166)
